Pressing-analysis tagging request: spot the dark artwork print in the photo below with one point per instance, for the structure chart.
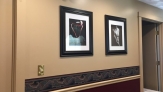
(116, 35)
(77, 32)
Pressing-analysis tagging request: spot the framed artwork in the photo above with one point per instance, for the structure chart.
(115, 35)
(76, 32)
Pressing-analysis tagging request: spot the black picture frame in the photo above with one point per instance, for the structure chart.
(76, 32)
(115, 35)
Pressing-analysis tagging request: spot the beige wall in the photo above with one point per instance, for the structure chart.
(5, 45)
(153, 13)
(38, 36)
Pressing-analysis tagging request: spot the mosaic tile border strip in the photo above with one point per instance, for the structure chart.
(70, 80)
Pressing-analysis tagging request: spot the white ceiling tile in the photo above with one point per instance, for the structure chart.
(156, 3)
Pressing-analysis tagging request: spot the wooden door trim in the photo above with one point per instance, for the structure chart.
(13, 69)
(140, 18)
(161, 55)
(140, 53)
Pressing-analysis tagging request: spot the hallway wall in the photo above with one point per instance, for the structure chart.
(41, 37)
(38, 36)
(5, 45)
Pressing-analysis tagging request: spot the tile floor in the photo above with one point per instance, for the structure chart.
(148, 90)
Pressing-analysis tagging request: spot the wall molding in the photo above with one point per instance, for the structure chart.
(97, 84)
(53, 83)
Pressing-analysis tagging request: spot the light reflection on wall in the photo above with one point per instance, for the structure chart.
(129, 11)
(76, 1)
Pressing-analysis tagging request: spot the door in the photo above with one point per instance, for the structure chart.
(150, 56)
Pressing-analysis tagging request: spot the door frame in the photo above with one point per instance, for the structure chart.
(13, 67)
(141, 52)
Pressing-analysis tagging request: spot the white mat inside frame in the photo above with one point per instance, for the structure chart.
(149, 90)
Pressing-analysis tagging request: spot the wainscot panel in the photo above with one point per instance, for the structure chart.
(127, 86)
(70, 80)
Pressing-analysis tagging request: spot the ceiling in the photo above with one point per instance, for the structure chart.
(156, 3)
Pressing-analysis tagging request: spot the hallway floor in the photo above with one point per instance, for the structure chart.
(148, 90)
